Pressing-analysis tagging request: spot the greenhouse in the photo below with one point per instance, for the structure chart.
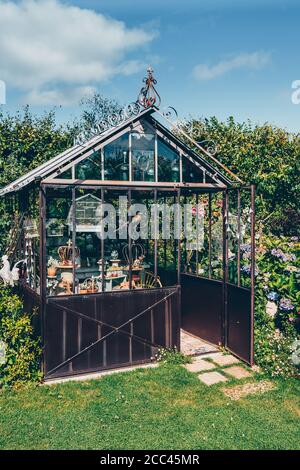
(128, 237)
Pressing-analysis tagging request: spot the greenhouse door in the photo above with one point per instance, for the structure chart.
(95, 332)
(221, 310)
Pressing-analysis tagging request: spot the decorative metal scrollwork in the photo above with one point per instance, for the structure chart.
(210, 146)
(171, 114)
(148, 95)
(113, 120)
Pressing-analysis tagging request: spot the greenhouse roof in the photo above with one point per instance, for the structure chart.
(68, 155)
(112, 126)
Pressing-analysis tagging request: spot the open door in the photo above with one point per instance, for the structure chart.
(239, 276)
(221, 310)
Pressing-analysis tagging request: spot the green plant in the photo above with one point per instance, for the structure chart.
(52, 262)
(172, 356)
(277, 304)
(273, 351)
(22, 350)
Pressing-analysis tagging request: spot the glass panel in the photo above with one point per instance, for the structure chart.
(88, 242)
(116, 249)
(143, 146)
(66, 175)
(168, 162)
(245, 238)
(193, 174)
(89, 168)
(190, 172)
(167, 246)
(30, 246)
(235, 229)
(217, 236)
(142, 252)
(116, 161)
(59, 242)
(195, 243)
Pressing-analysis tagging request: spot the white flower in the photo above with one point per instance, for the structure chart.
(271, 309)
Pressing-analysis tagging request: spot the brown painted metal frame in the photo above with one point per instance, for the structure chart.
(228, 290)
(43, 271)
(120, 329)
(178, 191)
(226, 285)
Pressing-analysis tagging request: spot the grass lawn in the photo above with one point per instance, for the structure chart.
(162, 408)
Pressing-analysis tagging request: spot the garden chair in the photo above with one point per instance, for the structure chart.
(147, 281)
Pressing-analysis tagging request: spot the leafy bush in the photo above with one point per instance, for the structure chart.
(26, 141)
(22, 349)
(273, 351)
(264, 155)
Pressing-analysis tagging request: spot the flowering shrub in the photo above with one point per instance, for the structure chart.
(273, 350)
(277, 320)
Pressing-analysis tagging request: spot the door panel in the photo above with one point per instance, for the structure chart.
(202, 314)
(100, 331)
(201, 307)
(239, 323)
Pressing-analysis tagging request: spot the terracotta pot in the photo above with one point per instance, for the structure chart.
(52, 271)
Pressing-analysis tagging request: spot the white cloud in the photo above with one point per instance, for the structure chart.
(46, 43)
(254, 60)
(63, 97)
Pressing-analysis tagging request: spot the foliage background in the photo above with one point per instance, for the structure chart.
(266, 156)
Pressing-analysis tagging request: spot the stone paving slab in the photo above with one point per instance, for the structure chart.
(240, 391)
(192, 345)
(238, 372)
(211, 355)
(211, 378)
(199, 365)
(226, 360)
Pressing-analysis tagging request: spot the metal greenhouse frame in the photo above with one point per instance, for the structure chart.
(87, 329)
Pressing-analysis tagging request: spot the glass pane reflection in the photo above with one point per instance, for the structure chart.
(143, 146)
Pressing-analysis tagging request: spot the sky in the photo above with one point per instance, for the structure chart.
(210, 57)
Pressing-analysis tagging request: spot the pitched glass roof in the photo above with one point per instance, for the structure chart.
(78, 151)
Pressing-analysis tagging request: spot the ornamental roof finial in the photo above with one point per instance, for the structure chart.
(148, 95)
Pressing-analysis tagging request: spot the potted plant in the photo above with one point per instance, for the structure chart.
(52, 267)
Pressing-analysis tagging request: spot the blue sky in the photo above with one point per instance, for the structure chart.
(211, 57)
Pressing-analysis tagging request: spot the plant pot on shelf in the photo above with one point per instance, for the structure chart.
(52, 271)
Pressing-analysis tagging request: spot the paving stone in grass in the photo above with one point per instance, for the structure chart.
(211, 378)
(211, 355)
(225, 360)
(199, 365)
(240, 391)
(238, 372)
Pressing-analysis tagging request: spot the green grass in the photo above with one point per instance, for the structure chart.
(162, 408)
